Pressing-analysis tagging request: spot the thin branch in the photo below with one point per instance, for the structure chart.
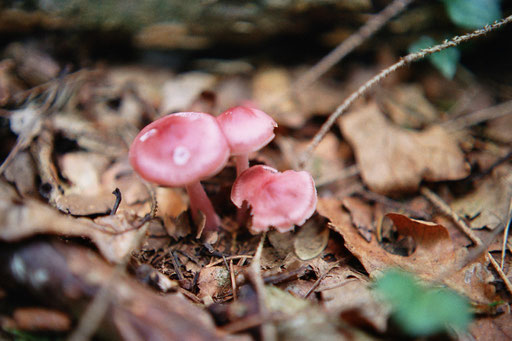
(500, 272)
(404, 61)
(479, 116)
(446, 209)
(233, 279)
(267, 331)
(505, 233)
(349, 44)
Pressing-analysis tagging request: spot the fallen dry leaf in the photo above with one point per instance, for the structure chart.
(69, 277)
(270, 94)
(213, 282)
(488, 205)
(180, 92)
(357, 304)
(499, 129)
(362, 216)
(407, 106)
(38, 319)
(311, 239)
(433, 259)
(21, 172)
(147, 80)
(394, 160)
(112, 234)
(325, 164)
(492, 328)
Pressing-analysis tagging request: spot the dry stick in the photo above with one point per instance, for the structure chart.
(500, 272)
(461, 224)
(479, 116)
(404, 61)
(267, 332)
(505, 234)
(218, 261)
(233, 279)
(349, 44)
(445, 209)
(343, 49)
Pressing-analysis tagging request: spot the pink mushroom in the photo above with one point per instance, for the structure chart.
(247, 130)
(180, 150)
(281, 200)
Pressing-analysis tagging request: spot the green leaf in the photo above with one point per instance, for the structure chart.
(473, 13)
(420, 310)
(445, 61)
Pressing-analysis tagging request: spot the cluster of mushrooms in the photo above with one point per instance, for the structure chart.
(184, 148)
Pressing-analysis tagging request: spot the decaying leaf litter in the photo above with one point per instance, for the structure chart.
(67, 236)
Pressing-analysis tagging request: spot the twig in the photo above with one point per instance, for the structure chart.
(240, 325)
(404, 61)
(438, 202)
(233, 280)
(349, 44)
(267, 331)
(319, 280)
(500, 272)
(479, 116)
(445, 209)
(218, 261)
(119, 197)
(505, 233)
(176, 266)
(495, 164)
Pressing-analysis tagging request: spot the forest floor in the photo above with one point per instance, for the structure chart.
(416, 175)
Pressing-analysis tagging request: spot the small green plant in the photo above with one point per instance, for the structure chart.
(469, 14)
(420, 310)
(445, 61)
(473, 14)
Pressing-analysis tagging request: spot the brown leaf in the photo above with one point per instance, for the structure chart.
(39, 319)
(180, 92)
(21, 171)
(407, 106)
(499, 129)
(362, 216)
(68, 277)
(487, 206)
(394, 160)
(492, 328)
(213, 281)
(311, 239)
(433, 257)
(270, 93)
(148, 81)
(431, 238)
(355, 299)
(326, 163)
(112, 234)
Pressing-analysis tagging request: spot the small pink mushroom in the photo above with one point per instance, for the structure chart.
(247, 130)
(180, 150)
(281, 200)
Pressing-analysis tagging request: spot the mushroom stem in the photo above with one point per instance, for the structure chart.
(199, 202)
(242, 163)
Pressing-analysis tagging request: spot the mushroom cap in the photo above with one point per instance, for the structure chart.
(246, 129)
(179, 149)
(281, 200)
